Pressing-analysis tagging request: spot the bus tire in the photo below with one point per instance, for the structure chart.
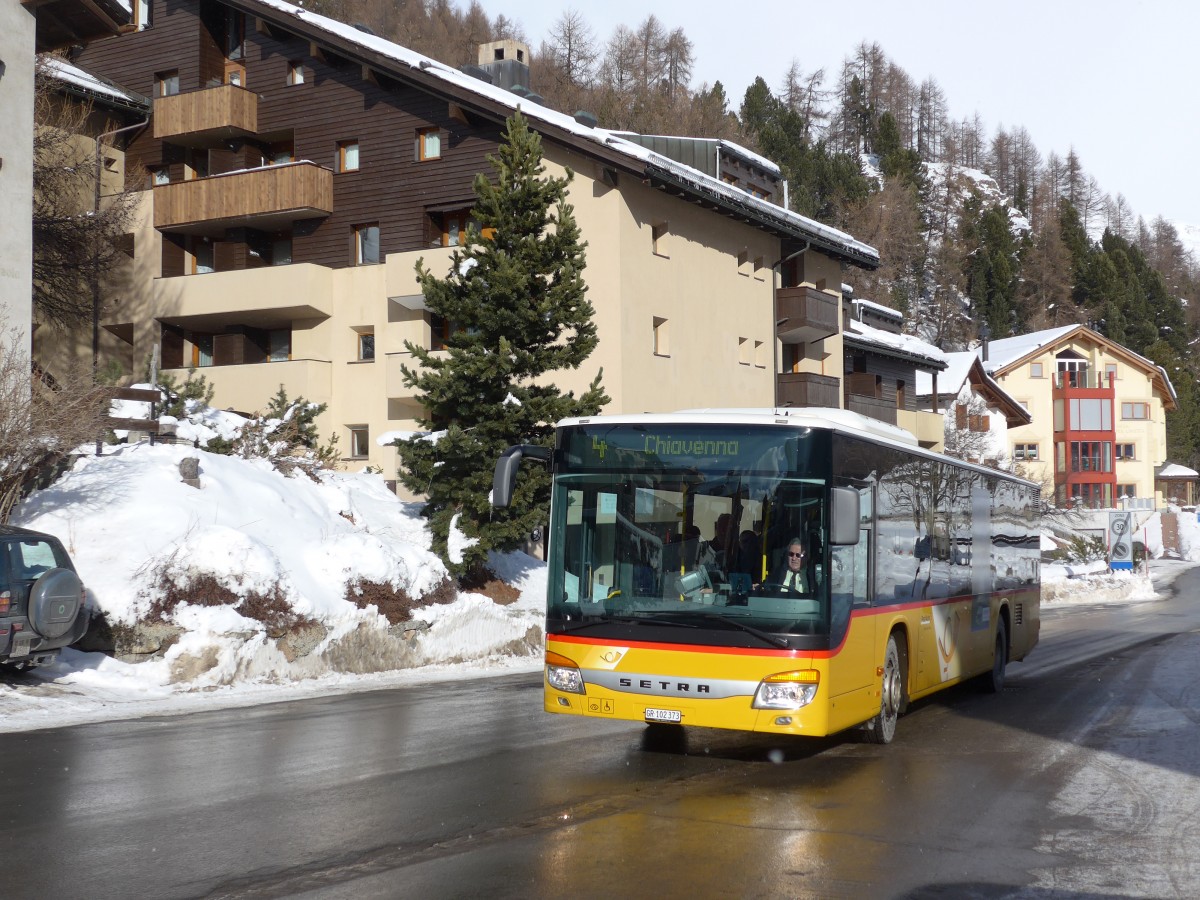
(892, 696)
(993, 682)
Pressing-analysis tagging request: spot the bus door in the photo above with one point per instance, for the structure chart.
(852, 627)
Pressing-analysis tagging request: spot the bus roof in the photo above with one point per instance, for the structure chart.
(828, 418)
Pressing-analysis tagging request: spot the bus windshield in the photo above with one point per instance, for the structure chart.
(690, 527)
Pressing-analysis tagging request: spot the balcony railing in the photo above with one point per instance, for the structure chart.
(249, 387)
(807, 389)
(1083, 380)
(201, 118)
(805, 314)
(270, 297)
(269, 198)
(872, 407)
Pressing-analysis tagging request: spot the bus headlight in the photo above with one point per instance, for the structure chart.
(562, 674)
(787, 690)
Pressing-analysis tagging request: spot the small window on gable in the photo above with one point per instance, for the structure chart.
(429, 144)
(1035, 370)
(295, 72)
(347, 156)
(1110, 370)
(662, 337)
(658, 238)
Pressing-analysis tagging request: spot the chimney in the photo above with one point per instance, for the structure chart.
(507, 62)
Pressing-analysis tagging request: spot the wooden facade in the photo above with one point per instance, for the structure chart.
(337, 102)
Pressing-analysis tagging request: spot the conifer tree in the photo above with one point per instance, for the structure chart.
(516, 305)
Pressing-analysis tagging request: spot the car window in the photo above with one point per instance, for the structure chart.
(31, 558)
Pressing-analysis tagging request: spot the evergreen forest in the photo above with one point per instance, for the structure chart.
(974, 227)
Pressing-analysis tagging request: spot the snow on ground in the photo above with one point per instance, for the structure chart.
(127, 516)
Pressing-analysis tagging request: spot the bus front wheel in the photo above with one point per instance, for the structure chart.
(882, 728)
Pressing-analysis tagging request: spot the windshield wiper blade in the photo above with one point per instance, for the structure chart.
(624, 620)
(765, 636)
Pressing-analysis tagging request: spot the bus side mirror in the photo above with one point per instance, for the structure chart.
(505, 478)
(843, 517)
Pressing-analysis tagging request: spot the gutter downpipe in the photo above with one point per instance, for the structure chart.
(775, 270)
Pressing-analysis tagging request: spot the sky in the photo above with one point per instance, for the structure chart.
(1113, 80)
(126, 516)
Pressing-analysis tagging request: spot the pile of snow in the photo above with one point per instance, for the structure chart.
(127, 517)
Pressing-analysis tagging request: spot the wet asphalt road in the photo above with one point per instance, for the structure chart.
(1079, 780)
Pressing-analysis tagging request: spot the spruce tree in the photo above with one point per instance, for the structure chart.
(515, 301)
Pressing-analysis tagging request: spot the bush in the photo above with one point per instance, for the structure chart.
(394, 604)
(202, 589)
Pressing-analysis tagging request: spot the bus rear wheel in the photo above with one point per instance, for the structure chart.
(882, 728)
(993, 682)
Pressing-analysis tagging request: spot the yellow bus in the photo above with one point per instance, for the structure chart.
(794, 571)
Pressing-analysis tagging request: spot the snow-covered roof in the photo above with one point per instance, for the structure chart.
(1174, 470)
(958, 365)
(685, 176)
(886, 341)
(78, 80)
(1006, 351)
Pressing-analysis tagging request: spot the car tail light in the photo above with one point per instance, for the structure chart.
(5, 601)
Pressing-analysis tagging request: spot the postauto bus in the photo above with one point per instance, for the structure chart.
(668, 597)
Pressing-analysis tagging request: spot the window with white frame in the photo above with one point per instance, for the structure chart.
(1125, 451)
(1025, 451)
(360, 441)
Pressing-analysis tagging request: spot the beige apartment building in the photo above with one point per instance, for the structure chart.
(297, 168)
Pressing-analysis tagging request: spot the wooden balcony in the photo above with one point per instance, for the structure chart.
(872, 407)
(804, 314)
(807, 389)
(205, 118)
(270, 198)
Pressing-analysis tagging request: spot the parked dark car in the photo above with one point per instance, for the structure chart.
(43, 604)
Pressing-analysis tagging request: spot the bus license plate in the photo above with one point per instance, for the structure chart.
(663, 715)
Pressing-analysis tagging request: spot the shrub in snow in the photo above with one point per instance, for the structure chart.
(394, 603)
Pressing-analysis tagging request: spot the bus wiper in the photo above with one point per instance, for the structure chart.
(624, 620)
(764, 636)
